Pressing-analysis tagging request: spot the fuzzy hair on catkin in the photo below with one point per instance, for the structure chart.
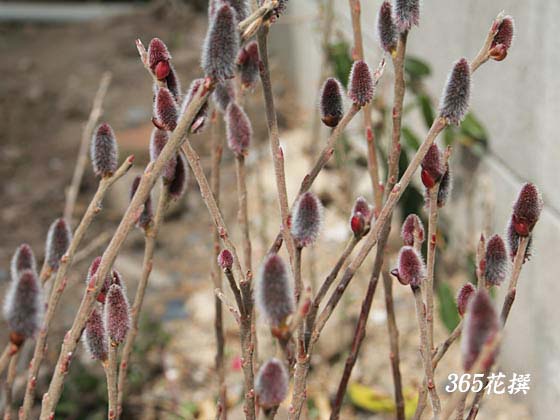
(386, 28)
(480, 325)
(513, 239)
(178, 184)
(506, 31)
(362, 206)
(117, 314)
(445, 187)
(307, 218)
(407, 14)
(412, 224)
(410, 267)
(199, 121)
(271, 383)
(165, 109)
(173, 83)
(223, 95)
(94, 266)
(225, 259)
(463, 297)
(104, 151)
(241, 7)
(95, 336)
(496, 261)
(157, 52)
(23, 259)
(331, 104)
(527, 209)
(454, 102)
(274, 293)
(432, 167)
(248, 65)
(59, 237)
(360, 83)
(158, 140)
(221, 45)
(146, 217)
(238, 129)
(24, 304)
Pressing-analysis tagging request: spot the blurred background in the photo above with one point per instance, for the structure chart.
(53, 57)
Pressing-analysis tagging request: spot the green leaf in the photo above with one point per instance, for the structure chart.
(341, 60)
(427, 110)
(472, 127)
(447, 307)
(410, 138)
(416, 68)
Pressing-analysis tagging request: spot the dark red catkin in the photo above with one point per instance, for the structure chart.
(223, 95)
(331, 104)
(274, 295)
(527, 209)
(221, 45)
(271, 383)
(23, 259)
(225, 260)
(165, 110)
(158, 140)
(503, 39)
(496, 261)
(23, 307)
(158, 58)
(513, 242)
(407, 14)
(146, 217)
(90, 279)
(386, 28)
(59, 237)
(445, 187)
(360, 83)
(463, 297)
(307, 218)
(104, 151)
(241, 7)
(411, 225)
(410, 267)
(117, 315)
(199, 121)
(432, 168)
(95, 337)
(248, 65)
(454, 102)
(178, 184)
(238, 129)
(360, 219)
(362, 206)
(480, 326)
(173, 83)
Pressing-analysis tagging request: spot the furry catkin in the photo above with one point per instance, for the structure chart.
(386, 28)
(412, 224)
(23, 259)
(23, 306)
(271, 383)
(104, 151)
(117, 316)
(274, 294)
(95, 336)
(331, 104)
(307, 218)
(360, 83)
(238, 129)
(59, 237)
(454, 102)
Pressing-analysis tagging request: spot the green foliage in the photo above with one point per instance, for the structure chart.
(341, 60)
(447, 306)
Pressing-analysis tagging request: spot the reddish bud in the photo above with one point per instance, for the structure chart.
(412, 225)
(503, 39)
(527, 209)
(271, 383)
(248, 65)
(157, 52)
(223, 95)
(59, 237)
(104, 151)
(463, 297)
(200, 120)
(454, 101)
(162, 69)
(225, 260)
(157, 142)
(221, 45)
(410, 267)
(117, 317)
(360, 84)
(274, 295)
(165, 110)
(407, 13)
(513, 242)
(480, 327)
(307, 218)
(331, 105)
(178, 184)
(95, 338)
(386, 29)
(146, 217)
(238, 129)
(432, 168)
(362, 206)
(23, 306)
(496, 261)
(22, 260)
(358, 224)
(90, 278)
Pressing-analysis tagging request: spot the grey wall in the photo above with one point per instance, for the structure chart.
(518, 101)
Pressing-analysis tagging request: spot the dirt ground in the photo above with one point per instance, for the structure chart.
(49, 77)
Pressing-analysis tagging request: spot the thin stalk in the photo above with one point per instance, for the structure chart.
(9, 385)
(243, 215)
(111, 367)
(430, 264)
(443, 347)
(151, 174)
(5, 357)
(59, 283)
(81, 161)
(150, 235)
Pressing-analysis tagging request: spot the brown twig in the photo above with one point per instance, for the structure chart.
(243, 215)
(111, 374)
(59, 283)
(81, 161)
(443, 347)
(9, 385)
(430, 264)
(253, 22)
(72, 338)
(5, 357)
(150, 235)
(91, 247)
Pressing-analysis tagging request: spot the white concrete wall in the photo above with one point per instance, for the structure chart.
(518, 101)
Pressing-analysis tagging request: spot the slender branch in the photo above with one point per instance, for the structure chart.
(91, 247)
(5, 357)
(150, 235)
(81, 161)
(430, 264)
(236, 292)
(234, 311)
(484, 53)
(443, 347)
(59, 283)
(111, 375)
(253, 22)
(9, 385)
(243, 215)
(154, 170)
